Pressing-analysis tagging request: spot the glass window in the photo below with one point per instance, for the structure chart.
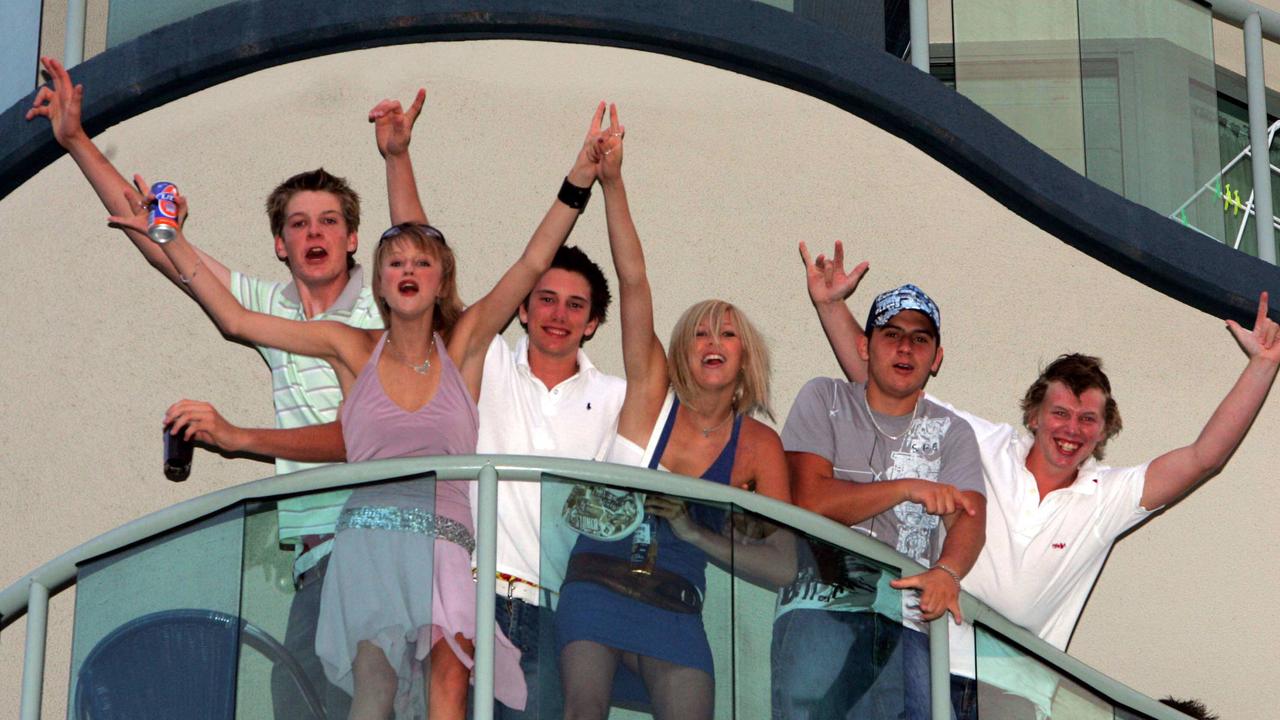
(19, 53)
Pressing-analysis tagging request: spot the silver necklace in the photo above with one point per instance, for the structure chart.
(876, 425)
(420, 368)
(706, 432)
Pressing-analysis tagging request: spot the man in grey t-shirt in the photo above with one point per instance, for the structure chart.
(884, 460)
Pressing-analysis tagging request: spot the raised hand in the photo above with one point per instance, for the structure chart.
(201, 422)
(608, 151)
(140, 203)
(584, 171)
(1263, 341)
(826, 277)
(393, 125)
(60, 102)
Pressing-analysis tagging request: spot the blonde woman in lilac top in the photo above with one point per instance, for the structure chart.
(399, 586)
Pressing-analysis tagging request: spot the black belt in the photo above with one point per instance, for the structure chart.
(660, 588)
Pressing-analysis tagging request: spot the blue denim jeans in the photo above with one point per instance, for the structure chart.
(531, 628)
(846, 665)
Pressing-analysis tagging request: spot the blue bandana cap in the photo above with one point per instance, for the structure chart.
(908, 297)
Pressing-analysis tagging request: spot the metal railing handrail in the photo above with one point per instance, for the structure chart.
(60, 572)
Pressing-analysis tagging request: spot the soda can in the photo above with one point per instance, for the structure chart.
(162, 226)
(178, 452)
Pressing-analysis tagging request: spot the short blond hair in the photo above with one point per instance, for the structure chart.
(751, 396)
(429, 240)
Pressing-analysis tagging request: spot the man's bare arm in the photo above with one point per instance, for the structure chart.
(816, 489)
(1173, 474)
(201, 422)
(60, 102)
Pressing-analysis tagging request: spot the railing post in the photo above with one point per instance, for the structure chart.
(33, 659)
(486, 571)
(920, 34)
(73, 50)
(1259, 151)
(940, 668)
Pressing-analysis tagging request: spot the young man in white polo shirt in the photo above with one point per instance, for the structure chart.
(544, 398)
(314, 217)
(1054, 510)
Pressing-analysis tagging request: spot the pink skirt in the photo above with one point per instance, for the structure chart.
(404, 591)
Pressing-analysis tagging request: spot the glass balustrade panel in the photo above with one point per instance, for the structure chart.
(156, 625)
(1150, 104)
(128, 20)
(18, 54)
(312, 599)
(839, 646)
(1020, 62)
(1012, 683)
(629, 582)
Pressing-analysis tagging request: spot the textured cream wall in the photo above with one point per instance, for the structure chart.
(726, 174)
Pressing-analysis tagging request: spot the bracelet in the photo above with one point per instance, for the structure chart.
(195, 270)
(574, 196)
(954, 575)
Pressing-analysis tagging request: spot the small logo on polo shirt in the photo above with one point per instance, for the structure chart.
(588, 406)
(1059, 546)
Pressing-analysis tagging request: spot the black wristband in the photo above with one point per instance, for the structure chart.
(574, 196)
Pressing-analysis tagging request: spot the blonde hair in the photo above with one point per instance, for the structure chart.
(429, 240)
(751, 396)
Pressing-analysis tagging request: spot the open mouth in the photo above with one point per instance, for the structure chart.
(904, 367)
(407, 287)
(555, 331)
(1066, 447)
(316, 253)
(713, 360)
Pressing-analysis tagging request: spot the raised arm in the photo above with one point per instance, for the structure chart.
(392, 130)
(201, 422)
(478, 325)
(343, 347)
(643, 359)
(60, 102)
(1173, 474)
(829, 287)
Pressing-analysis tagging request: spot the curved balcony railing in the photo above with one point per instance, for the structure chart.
(214, 565)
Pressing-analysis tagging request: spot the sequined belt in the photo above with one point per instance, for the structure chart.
(378, 517)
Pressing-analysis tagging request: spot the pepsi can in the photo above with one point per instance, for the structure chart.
(162, 226)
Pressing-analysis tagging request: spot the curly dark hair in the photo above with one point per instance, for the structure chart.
(571, 258)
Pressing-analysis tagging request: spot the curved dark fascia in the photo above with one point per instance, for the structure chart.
(738, 35)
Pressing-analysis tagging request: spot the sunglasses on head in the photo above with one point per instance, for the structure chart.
(424, 228)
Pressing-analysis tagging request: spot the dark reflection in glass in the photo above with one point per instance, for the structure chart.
(839, 645)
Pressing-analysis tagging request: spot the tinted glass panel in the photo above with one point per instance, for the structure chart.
(156, 625)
